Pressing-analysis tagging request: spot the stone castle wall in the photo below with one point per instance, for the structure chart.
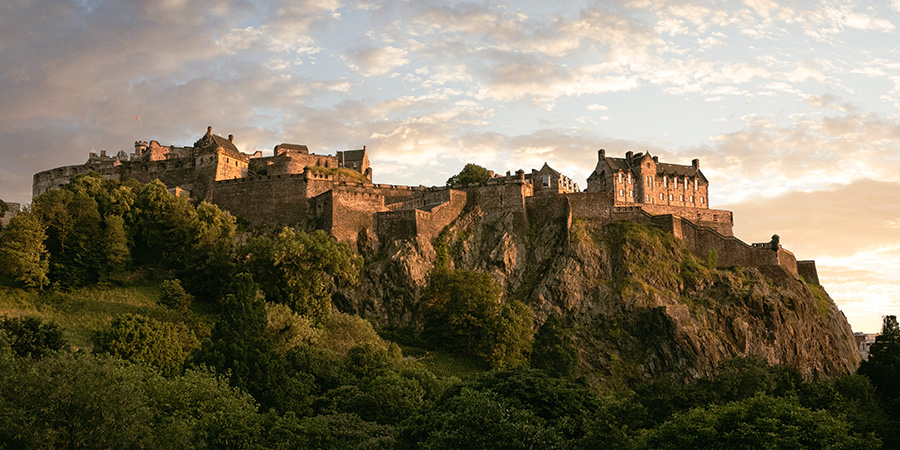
(278, 200)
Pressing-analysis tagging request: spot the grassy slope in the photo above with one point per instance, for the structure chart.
(81, 312)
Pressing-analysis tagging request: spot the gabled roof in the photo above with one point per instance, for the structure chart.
(352, 155)
(616, 164)
(224, 143)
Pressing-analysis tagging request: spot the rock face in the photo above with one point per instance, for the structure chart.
(640, 303)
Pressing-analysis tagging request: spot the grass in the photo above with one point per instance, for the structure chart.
(81, 312)
(445, 364)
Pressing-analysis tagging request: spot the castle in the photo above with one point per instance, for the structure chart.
(335, 193)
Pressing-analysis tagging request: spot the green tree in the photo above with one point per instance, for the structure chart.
(23, 257)
(883, 369)
(463, 314)
(240, 344)
(475, 419)
(757, 422)
(74, 236)
(553, 350)
(302, 270)
(145, 340)
(31, 337)
(471, 173)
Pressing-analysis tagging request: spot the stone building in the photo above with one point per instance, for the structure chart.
(335, 193)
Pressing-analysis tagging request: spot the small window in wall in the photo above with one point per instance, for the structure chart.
(702, 200)
(675, 182)
(682, 198)
(696, 184)
(649, 181)
(665, 181)
(647, 199)
(620, 177)
(661, 196)
(685, 182)
(545, 180)
(631, 194)
(629, 178)
(621, 193)
(692, 199)
(671, 197)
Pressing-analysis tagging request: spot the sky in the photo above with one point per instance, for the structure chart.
(792, 107)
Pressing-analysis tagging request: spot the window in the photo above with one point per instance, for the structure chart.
(661, 196)
(682, 198)
(701, 200)
(696, 184)
(629, 178)
(665, 182)
(692, 199)
(621, 193)
(671, 197)
(649, 181)
(647, 199)
(620, 177)
(675, 182)
(685, 182)
(545, 180)
(631, 194)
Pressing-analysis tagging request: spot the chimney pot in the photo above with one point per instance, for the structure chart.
(231, 138)
(696, 163)
(209, 130)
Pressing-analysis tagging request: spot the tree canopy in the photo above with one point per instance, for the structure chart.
(471, 173)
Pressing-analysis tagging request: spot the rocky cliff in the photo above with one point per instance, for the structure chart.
(640, 303)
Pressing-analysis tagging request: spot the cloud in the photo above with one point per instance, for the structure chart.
(377, 60)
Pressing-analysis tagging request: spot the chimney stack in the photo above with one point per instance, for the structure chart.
(209, 130)
(629, 155)
(231, 138)
(601, 154)
(656, 159)
(696, 164)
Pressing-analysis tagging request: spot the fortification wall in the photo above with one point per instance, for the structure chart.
(591, 205)
(352, 210)
(501, 195)
(400, 224)
(421, 199)
(720, 220)
(278, 200)
(12, 209)
(808, 271)
(547, 208)
(430, 223)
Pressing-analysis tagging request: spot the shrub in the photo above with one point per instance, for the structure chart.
(174, 296)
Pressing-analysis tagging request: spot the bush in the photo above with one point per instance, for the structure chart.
(174, 296)
(145, 340)
(29, 336)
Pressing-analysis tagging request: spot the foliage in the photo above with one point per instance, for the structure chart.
(302, 270)
(174, 296)
(476, 419)
(23, 256)
(553, 350)
(333, 432)
(31, 337)
(882, 368)
(463, 314)
(712, 259)
(240, 345)
(758, 422)
(471, 173)
(70, 401)
(142, 339)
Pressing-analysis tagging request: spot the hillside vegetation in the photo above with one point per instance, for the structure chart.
(134, 319)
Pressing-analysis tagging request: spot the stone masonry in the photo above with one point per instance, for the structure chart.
(294, 187)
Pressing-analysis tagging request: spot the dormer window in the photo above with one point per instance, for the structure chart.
(675, 182)
(665, 181)
(620, 177)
